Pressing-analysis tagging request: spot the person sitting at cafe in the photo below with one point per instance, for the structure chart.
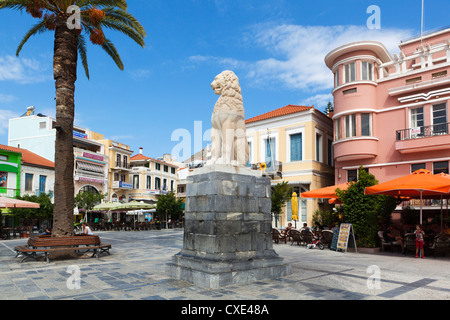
(389, 236)
(287, 229)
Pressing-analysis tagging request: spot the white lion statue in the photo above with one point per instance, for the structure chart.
(228, 136)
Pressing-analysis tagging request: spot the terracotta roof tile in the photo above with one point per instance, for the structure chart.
(139, 157)
(289, 109)
(29, 157)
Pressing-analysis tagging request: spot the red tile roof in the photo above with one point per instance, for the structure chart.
(139, 157)
(29, 157)
(289, 109)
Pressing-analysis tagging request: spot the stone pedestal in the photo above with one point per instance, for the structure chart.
(228, 231)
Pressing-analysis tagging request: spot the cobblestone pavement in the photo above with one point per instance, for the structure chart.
(135, 270)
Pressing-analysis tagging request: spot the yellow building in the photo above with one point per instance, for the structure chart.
(119, 186)
(152, 177)
(296, 144)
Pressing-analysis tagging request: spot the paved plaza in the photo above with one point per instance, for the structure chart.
(135, 270)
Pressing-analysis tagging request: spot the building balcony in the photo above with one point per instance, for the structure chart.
(10, 193)
(356, 148)
(271, 169)
(423, 139)
(122, 165)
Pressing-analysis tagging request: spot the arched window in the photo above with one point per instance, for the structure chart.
(88, 188)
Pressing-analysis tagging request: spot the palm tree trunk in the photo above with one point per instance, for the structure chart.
(65, 74)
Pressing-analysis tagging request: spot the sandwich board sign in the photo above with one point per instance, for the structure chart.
(346, 234)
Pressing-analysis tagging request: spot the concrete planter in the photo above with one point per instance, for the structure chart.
(368, 250)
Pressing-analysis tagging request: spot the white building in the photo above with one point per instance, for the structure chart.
(36, 133)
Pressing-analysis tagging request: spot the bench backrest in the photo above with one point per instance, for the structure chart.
(48, 241)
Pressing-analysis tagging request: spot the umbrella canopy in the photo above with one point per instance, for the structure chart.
(133, 205)
(15, 203)
(107, 206)
(294, 206)
(419, 184)
(327, 192)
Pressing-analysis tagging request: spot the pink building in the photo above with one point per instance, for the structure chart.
(391, 112)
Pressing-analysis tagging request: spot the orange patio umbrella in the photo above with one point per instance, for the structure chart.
(327, 192)
(419, 184)
(15, 203)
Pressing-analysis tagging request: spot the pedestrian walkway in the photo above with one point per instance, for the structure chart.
(135, 270)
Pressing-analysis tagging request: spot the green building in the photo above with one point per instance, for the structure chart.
(10, 162)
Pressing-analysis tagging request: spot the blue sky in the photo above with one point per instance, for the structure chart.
(276, 47)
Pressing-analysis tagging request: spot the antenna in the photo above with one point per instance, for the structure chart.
(421, 25)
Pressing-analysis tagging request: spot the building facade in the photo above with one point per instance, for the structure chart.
(391, 113)
(119, 155)
(151, 177)
(36, 133)
(10, 166)
(295, 145)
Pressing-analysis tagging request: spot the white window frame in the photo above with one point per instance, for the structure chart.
(289, 133)
(370, 124)
(370, 74)
(338, 129)
(263, 138)
(349, 71)
(320, 133)
(252, 149)
(337, 81)
(351, 124)
(410, 116)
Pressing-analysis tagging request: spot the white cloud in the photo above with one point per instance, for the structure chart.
(22, 70)
(319, 101)
(298, 52)
(6, 98)
(5, 115)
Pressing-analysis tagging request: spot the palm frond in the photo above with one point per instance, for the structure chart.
(82, 52)
(37, 28)
(111, 50)
(13, 4)
(125, 29)
(122, 4)
(114, 14)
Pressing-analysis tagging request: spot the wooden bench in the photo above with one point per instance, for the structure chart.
(47, 244)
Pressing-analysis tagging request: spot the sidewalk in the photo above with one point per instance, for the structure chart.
(135, 270)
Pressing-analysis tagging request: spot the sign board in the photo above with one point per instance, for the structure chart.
(415, 130)
(346, 233)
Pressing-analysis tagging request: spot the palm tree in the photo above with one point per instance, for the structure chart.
(72, 21)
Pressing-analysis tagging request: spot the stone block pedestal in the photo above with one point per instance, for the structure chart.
(228, 230)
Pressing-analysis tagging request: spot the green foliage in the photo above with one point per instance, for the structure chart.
(168, 204)
(329, 108)
(45, 211)
(87, 200)
(326, 218)
(365, 212)
(281, 193)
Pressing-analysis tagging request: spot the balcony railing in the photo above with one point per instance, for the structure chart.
(10, 193)
(122, 165)
(422, 132)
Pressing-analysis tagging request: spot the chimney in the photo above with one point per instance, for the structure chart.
(140, 150)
